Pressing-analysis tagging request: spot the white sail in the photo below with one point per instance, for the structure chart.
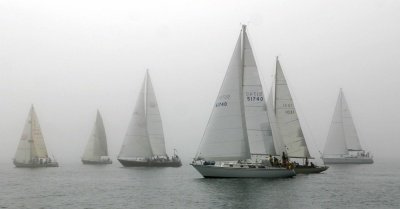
(352, 140)
(97, 144)
(278, 143)
(153, 118)
(31, 144)
(342, 136)
(258, 127)
(225, 137)
(136, 143)
(289, 124)
(336, 142)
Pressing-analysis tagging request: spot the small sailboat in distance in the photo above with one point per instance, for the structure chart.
(144, 143)
(31, 151)
(96, 151)
(343, 145)
(290, 129)
(238, 126)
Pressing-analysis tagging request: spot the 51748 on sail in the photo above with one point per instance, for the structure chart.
(144, 143)
(31, 151)
(239, 131)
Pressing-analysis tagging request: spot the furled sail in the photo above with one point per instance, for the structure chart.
(225, 137)
(136, 142)
(286, 115)
(153, 119)
(31, 144)
(97, 144)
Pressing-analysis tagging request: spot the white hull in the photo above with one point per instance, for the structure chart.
(211, 171)
(348, 160)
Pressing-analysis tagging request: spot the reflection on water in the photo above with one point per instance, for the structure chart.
(112, 186)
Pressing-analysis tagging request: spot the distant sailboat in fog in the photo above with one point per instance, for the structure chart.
(31, 151)
(96, 151)
(144, 143)
(343, 145)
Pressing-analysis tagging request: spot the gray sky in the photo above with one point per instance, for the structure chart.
(70, 58)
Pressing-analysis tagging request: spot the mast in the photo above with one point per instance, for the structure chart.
(276, 67)
(244, 125)
(31, 135)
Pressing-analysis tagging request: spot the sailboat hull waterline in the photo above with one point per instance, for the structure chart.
(35, 165)
(348, 160)
(211, 171)
(89, 162)
(133, 163)
(310, 170)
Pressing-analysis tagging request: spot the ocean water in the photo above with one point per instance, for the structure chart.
(112, 186)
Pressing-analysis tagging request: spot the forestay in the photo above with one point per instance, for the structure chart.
(289, 124)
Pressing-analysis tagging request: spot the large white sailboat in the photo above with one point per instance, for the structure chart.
(239, 127)
(289, 126)
(144, 143)
(31, 151)
(96, 151)
(343, 145)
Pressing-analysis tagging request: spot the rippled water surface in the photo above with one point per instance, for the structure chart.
(111, 186)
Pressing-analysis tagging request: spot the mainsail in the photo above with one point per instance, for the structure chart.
(286, 115)
(97, 144)
(342, 136)
(145, 136)
(136, 142)
(238, 125)
(31, 144)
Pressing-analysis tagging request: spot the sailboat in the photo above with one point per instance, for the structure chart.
(289, 126)
(238, 129)
(144, 143)
(343, 145)
(96, 151)
(31, 151)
